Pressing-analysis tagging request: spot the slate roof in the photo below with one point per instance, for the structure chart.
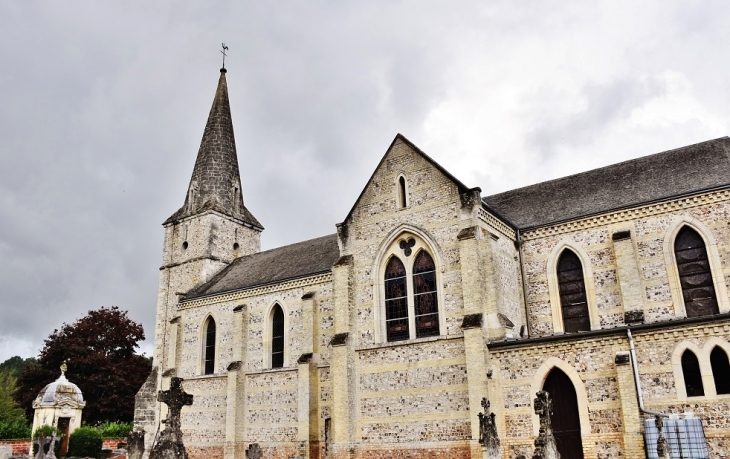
(216, 181)
(664, 175)
(293, 261)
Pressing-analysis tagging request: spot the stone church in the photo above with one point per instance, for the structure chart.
(434, 309)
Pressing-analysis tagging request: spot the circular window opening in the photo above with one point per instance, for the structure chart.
(235, 246)
(185, 245)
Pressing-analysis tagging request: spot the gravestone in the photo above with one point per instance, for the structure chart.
(135, 444)
(254, 451)
(6, 451)
(51, 453)
(545, 446)
(41, 443)
(170, 443)
(488, 436)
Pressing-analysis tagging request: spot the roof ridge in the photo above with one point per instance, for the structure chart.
(608, 166)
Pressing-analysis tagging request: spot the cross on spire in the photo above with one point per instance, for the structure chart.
(223, 51)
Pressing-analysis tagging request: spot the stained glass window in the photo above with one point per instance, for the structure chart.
(396, 301)
(425, 298)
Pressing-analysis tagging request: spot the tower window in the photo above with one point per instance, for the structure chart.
(695, 278)
(720, 370)
(277, 337)
(692, 374)
(573, 299)
(209, 360)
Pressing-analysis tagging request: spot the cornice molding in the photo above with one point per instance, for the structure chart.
(627, 214)
(255, 291)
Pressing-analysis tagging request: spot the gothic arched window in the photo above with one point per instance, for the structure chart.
(277, 337)
(695, 276)
(692, 374)
(572, 288)
(720, 370)
(396, 301)
(425, 296)
(209, 358)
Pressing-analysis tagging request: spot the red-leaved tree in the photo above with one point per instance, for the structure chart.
(100, 350)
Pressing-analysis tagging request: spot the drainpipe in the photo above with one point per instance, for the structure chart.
(635, 366)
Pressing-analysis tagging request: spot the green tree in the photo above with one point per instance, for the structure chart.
(100, 349)
(9, 409)
(16, 364)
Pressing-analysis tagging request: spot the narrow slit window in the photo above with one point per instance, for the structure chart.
(720, 370)
(277, 338)
(572, 288)
(695, 276)
(402, 193)
(424, 296)
(209, 362)
(396, 301)
(692, 375)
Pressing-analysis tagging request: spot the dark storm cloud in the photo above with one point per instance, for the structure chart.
(102, 107)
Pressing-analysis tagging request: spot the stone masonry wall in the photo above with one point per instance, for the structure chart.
(268, 399)
(522, 370)
(649, 228)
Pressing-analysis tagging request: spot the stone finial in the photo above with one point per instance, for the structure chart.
(64, 368)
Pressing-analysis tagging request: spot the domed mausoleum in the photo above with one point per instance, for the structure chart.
(59, 404)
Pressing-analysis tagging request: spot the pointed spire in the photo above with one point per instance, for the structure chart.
(216, 183)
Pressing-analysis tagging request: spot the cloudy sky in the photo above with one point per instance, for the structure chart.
(103, 104)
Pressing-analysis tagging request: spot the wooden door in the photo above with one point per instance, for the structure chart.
(63, 426)
(565, 418)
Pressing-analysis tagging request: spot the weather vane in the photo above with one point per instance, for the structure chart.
(223, 51)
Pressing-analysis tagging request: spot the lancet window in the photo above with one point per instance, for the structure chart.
(277, 337)
(692, 374)
(209, 351)
(695, 277)
(720, 370)
(572, 288)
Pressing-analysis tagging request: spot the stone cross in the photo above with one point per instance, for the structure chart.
(488, 436)
(254, 451)
(170, 443)
(175, 398)
(41, 442)
(545, 446)
(662, 448)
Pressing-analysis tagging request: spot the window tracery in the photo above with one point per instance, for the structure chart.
(411, 294)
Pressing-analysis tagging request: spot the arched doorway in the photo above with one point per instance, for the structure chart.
(565, 419)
